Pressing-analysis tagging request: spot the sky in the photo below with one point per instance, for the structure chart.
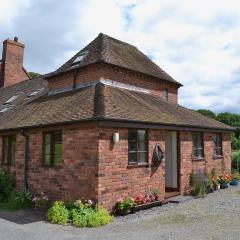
(196, 42)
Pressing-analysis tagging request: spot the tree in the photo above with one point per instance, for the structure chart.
(34, 75)
(207, 113)
(229, 118)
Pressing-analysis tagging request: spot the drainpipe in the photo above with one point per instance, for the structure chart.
(26, 158)
(75, 79)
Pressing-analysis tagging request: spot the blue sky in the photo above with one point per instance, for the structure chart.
(196, 42)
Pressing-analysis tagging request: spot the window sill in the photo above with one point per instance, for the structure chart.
(198, 159)
(217, 157)
(138, 166)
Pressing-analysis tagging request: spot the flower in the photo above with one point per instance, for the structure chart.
(120, 200)
(90, 202)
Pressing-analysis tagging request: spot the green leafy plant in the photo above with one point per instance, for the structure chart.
(124, 203)
(89, 217)
(18, 200)
(198, 186)
(58, 213)
(6, 185)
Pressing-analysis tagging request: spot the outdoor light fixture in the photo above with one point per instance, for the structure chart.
(115, 137)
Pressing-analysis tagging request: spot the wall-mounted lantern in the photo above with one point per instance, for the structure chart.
(115, 137)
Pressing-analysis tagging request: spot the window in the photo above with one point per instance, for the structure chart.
(52, 148)
(137, 147)
(80, 57)
(11, 99)
(217, 144)
(9, 150)
(165, 94)
(198, 151)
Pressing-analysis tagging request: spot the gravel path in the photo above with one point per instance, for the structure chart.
(215, 217)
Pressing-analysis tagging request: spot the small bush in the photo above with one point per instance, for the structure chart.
(198, 184)
(6, 185)
(58, 213)
(18, 200)
(90, 217)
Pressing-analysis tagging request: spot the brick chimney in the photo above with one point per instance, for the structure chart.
(12, 70)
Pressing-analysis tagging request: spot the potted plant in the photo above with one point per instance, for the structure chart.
(224, 180)
(40, 201)
(124, 205)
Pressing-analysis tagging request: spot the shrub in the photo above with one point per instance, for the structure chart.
(99, 218)
(6, 185)
(18, 200)
(58, 213)
(198, 184)
(89, 217)
(236, 160)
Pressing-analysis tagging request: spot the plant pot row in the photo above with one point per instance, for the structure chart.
(136, 208)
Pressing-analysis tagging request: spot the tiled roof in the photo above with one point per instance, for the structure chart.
(96, 102)
(108, 50)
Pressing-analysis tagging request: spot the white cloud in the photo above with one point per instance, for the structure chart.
(10, 9)
(197, 42)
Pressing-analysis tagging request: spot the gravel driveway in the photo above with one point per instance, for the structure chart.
(215, 217)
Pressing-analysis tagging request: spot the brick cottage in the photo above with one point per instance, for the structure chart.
(105, 124)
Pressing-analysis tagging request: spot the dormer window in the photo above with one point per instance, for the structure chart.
(79, 58)
(165, 94)
(11, 99)
(35, 93)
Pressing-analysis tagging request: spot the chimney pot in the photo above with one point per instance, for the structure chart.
(15, 39)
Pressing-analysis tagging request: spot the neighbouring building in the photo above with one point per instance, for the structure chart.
(105, 124)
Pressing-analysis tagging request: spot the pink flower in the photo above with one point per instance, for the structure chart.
(120, 200)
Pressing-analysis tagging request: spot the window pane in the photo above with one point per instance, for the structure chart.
(141, 135)
(165, 94)
(47, 159)
(132, 158)
(195, 153)
(200, 153)
(132, 136)
(47, 148)
(141, 146)
(47, 143)
(142, 157)
(132, 147)
(57, 160)
(58, 136)
(199, 140)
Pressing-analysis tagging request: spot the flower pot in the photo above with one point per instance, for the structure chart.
(223, 185)
(217, 187)
(123, 212)
(146, 206)
(234, 182)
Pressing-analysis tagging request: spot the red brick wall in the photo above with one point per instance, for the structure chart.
(76, 178)
(94, 167)
(116, 179)
(12, 65)
(97, 71)
(206, 164)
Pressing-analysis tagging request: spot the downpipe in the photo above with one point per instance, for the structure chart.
(26, 158)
